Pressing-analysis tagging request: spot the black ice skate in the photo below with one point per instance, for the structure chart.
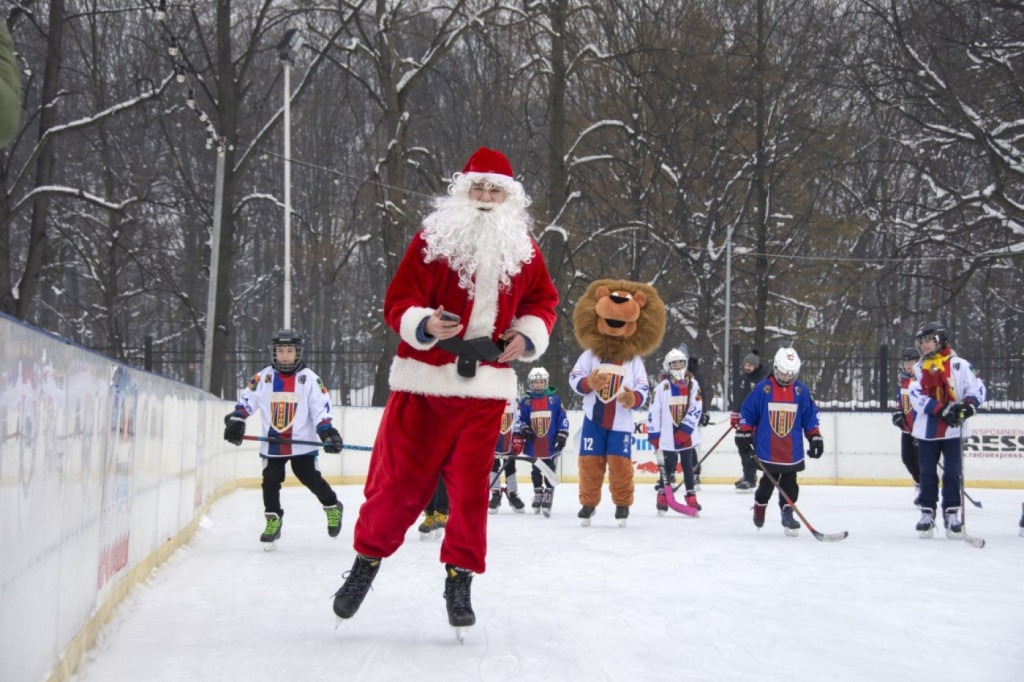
(621, 514)
(272, 531)
(457, 599)
(744, 485)
(545, 501)
(538, 497)
(926, 525)
(495, 502)
(789, 524)
(333, 519)
(954, 526)
(516, 502)
(585, 513)
(350, 595)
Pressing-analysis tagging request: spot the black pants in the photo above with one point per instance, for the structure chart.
(539, 480)
(908, 451)
(787, 481)
(305, 469)
(749, 469)
(687, 458)
(439, 502)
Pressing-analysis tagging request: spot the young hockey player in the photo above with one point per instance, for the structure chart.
(544, 426)
(435, 516)
(503, 453)
(672, 419)
(754, 372)
(903, 419)
(945, 392)
(294, 405)
(774, 416)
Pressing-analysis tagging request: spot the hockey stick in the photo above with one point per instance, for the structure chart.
(963, 492)
(666, 488)
(286, 441)
(821, 537)
(972, 541)
(547, 473)
(497, 474)
(700, 461)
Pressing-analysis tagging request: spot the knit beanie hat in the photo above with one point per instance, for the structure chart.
(752, 358)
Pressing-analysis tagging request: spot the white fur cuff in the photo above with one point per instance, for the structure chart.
(411, 320)
(533, 328)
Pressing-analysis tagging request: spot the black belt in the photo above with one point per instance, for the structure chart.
(471, 351)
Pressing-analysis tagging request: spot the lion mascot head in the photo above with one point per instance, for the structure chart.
(616, 319)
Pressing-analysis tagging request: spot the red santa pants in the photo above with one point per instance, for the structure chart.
(419, 438)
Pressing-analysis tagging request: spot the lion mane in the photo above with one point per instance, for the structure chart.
(617, 319)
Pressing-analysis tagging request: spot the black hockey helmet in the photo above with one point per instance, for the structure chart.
(286, 337)
(909, 354)
(932, 330)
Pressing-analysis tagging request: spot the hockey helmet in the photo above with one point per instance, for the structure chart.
(936, 331)
(675, 364)
(285, 338)
(537, 380)
(787, 365)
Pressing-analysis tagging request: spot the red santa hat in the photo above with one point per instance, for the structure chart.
(491, 164)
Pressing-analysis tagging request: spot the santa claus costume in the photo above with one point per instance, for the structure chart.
(475, 259)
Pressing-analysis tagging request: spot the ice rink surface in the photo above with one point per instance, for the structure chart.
(666, 598)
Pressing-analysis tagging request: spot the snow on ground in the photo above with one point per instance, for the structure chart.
(666, 598)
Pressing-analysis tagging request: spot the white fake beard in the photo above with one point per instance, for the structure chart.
(471, 240)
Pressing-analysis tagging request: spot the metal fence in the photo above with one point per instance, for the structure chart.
(849, 382)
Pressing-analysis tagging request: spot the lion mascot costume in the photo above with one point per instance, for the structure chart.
(616, 323)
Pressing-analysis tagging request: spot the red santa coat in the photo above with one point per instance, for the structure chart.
(437, 421)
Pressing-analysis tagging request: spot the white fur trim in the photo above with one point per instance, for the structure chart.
(533, 328)
(411, 319)
(413, 376)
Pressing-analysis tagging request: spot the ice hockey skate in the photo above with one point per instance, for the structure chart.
(515, 502)
(691, 501)
(350, 595)
(926, 525)
(621, 514)
(272, 531)
(759, 510)
(745, 486)
(789, 524)
(585, 514)
(432, 527)
(492, 506)
(545, 502)
(333, 519)
(661, 503)
(538, 498)
(954, 526)
(457, 599)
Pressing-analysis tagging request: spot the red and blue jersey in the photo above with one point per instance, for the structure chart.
(903, 400)
(506, 430)
(780, 416)
(544, 414)
(942, 378)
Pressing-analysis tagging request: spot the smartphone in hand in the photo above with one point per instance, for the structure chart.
(450, 317)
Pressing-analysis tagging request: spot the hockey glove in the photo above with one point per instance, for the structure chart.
(745, 443)
(967, 410)
(734, 419)
(951, 414)
(705, 418)
(527, 432)
(899, 420)
(234, 427)
(560, 439)
(329, 434)
(518, 444)
(817, 446)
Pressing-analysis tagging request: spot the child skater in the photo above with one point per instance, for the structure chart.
(544, 426)
(503, 453)
(294, 405)
(772, 419)
(674, 413)
(903, 419)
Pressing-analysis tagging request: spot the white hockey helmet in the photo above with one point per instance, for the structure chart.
(787, 365)
(675, 364)
(538, 375)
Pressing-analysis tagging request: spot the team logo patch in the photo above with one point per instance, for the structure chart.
(269, 379)
(618, 374)
(540, 422)
(283, 407)
(507, 418)
(302, 378)
(320, 384)
(782, 416)
(905, 400)
(254, 382)
(677, 408)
